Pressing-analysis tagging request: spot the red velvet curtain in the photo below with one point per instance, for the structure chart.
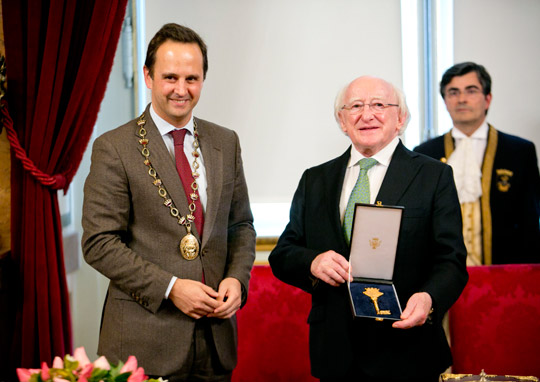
(59, 55)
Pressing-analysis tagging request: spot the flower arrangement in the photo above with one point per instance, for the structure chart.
(79, 368)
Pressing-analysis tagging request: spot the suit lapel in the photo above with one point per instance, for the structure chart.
(333, 187)
(213, 164)
(400, 173)
(165, 166)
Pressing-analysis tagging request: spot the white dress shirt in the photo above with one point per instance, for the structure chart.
(375, 174)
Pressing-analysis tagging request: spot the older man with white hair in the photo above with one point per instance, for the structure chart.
(429, 271)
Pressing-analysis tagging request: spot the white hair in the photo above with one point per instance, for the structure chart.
(403, 108)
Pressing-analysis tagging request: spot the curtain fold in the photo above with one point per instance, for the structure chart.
(59, 56)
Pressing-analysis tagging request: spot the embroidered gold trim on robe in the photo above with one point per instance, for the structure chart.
(487, 171)
(472, 231)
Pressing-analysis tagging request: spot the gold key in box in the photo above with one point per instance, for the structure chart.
(374, 294)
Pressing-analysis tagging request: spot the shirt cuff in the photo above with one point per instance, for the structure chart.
(171, 283)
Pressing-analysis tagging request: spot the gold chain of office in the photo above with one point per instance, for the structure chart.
(189, 245)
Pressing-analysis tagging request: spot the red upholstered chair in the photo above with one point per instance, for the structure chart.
(273, 332)
(495, 324)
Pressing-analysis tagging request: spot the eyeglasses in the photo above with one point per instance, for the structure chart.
(469, 92)
(375, 107)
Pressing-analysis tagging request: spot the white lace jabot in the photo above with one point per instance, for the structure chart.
(467, 172)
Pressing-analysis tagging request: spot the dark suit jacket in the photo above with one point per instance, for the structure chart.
(515, 209)
(132, 239)
(430, 257)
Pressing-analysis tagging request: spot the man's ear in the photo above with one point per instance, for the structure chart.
(341, 121)
(402, 118)
(489, 97)
(147, 77)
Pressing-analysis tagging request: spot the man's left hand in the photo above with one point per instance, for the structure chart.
(416, 312)
(230, 297)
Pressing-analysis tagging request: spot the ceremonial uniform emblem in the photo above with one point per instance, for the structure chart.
(503, 179)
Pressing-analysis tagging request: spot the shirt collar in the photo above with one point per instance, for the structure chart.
(165, 127)
(480, 133)
(383, 157)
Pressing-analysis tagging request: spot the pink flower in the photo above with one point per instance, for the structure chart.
(58, 363)
(86, 371)
(130, 365)
(80, 355)
(137, 376)
(79, 368)
(45, 371)
(24, 374)
(102, 363)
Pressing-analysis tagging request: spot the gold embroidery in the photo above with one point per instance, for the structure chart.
(472, 231)
(487, 171)
(503, 179)
(448, 145)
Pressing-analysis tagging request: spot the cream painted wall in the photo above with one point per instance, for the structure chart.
(274, 70)
(503, 36)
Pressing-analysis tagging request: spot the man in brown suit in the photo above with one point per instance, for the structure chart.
(178, 253)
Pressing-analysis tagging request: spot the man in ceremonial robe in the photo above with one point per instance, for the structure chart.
(496, 174)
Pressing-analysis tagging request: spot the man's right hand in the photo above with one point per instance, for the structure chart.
(194, 298)
(330, 267)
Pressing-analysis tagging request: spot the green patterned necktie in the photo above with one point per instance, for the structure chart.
(359, 194)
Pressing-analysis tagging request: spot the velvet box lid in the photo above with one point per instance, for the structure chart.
(374, 239)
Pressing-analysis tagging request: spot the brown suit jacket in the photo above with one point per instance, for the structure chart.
(132, 239)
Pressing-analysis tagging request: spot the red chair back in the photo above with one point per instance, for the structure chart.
(495, 324)
(273, 332)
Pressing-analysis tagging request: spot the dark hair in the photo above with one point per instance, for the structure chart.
(461, 70)
(178, 33)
